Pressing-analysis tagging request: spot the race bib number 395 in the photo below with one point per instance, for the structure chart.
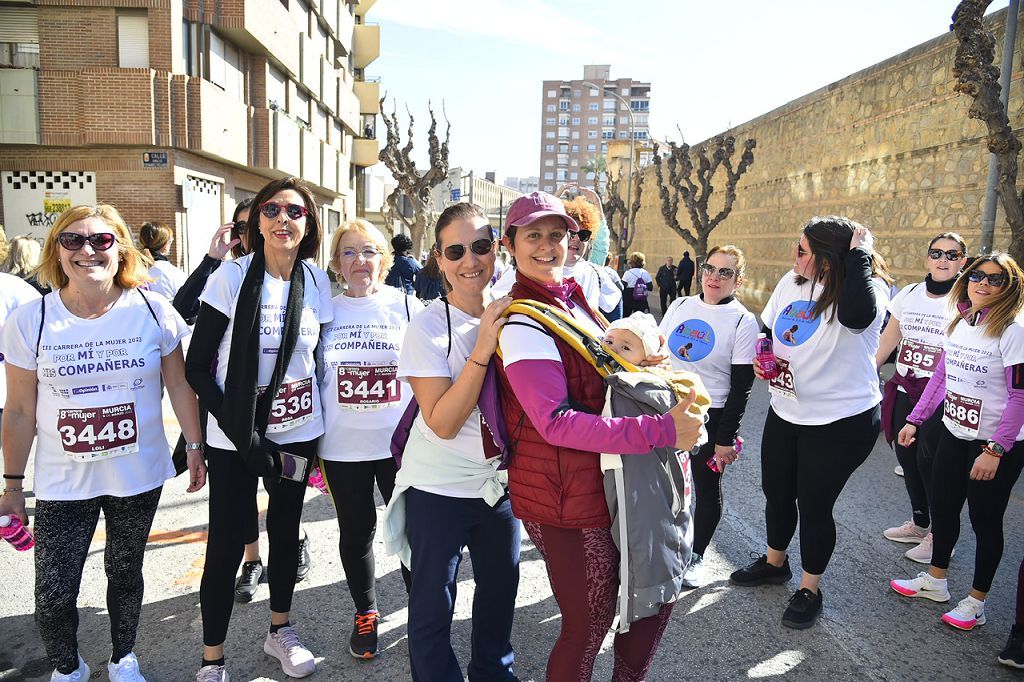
(917, 359)
(368, 388)
(92, 433)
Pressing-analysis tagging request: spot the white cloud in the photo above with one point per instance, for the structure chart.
(530, 22)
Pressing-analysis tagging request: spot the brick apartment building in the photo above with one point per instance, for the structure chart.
(578, 121)
(175, 110)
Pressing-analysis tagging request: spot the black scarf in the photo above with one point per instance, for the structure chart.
(246, 410)
(159, 256)
(939, 288)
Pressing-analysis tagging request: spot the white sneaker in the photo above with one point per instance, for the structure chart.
(908, 532)
(898, 470)
(81, 674)
(125, 670)
(284, 645)
(213, 673)
(922, 554)
(968, 613)
(694, 575)
(924, 585)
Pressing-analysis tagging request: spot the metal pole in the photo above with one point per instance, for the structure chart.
(988, 216)
(632, 154)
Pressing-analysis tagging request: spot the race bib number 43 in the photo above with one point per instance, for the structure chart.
(92, 433)
(917, 359)
(292, 407)
(964, 411)
(368, 388)
(783, 384)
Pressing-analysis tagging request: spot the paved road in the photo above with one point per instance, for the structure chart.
(716, 633)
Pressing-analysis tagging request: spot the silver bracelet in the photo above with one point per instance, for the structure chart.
(13, 489)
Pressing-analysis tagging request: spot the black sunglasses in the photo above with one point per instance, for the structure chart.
(480, 247)
(583, 235)
(996, 279)
(293, 211)
(240, 227)
(723, 273)
(72, 241)
(952, 254)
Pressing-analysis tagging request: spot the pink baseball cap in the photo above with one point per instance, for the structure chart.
(532, 207)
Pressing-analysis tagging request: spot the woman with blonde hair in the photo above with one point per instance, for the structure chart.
(713, 334)
(156, 239)
(363, 401)
(23, 259)
(103, 449)
(980, 385)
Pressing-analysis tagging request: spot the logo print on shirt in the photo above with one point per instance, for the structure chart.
(796, 324)
(692, 340)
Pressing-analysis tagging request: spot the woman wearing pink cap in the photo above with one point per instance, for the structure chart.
(551, 400)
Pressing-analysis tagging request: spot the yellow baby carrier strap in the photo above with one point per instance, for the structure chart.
(562, 324)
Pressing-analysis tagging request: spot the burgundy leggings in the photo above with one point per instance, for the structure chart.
(583, 569)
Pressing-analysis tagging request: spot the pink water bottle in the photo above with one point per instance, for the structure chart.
(737, 445)
(12, 530)
(766, 357)
(316, 480)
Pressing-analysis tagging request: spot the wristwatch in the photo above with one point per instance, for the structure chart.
(996, 448)
(194, 446)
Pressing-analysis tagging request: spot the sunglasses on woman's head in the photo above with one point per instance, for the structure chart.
(723, 273)
(480, 247)
(952, 254)
(72, 241)
(293, 211)
(996, 279)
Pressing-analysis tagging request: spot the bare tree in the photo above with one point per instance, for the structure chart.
(614, 205)
(978, 77)
(412, 184)
(695, 185)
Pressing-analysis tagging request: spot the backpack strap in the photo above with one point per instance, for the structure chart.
(42, 319)
(148, 305)
(448, 319)
(408, 315)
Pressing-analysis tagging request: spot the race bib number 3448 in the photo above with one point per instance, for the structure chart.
(92, 433)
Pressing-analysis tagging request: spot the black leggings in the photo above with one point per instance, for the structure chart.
(63, 531)
(708, 488)
(917, 459)
(232, 489)
(351, 487)
(805, 468)
(951, 486)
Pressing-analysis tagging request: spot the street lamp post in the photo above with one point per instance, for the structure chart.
(632, 153)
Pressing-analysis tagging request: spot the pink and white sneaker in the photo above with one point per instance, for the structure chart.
(924, 585)
(968, 613)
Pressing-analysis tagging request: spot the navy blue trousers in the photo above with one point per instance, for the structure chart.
(438, 528)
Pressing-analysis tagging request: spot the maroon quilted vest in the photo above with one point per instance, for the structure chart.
(549, 484)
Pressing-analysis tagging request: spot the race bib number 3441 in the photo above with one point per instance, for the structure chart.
(92, 433)
(368, 388)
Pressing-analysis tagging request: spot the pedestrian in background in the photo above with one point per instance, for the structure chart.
(155, 240)
(23, 259)
(685, 273)
(101, 451)
(637, 285)
(666, 279)
(403, 273)
(429, 281)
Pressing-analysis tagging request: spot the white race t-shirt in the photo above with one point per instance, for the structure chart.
(827, 372)
(630, 278)
(923, 321)
(99, 421)
(709, 340)
(423, 355)
(167, 279)
(14, 291)
(296, 415)
(976, 380)
(601, 292)
(504, 283)
(528, 340)
(363, 399)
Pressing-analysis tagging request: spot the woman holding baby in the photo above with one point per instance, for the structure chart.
(551, 400)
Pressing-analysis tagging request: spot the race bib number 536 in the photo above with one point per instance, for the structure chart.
(292, 407)
(92, 433)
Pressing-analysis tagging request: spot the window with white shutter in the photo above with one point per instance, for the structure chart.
(133, 39)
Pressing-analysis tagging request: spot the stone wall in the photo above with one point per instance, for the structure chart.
(890, 146)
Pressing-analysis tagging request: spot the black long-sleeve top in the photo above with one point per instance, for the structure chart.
(186, 301)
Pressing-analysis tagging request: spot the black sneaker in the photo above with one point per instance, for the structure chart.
(305, 563)
(363, 642)
(252, 575)
(804, 607)
(761, 572)
(1013, 654)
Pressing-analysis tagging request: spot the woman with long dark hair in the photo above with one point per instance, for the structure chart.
(824, 415)
(980, 386)
(260, 322)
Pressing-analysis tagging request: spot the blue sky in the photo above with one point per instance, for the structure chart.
(711, 64)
